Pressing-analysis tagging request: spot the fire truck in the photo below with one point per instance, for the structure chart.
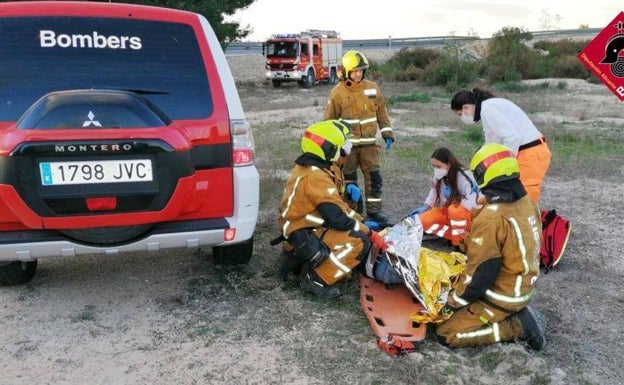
(308, 57)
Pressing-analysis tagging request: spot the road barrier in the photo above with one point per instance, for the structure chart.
(395, 44)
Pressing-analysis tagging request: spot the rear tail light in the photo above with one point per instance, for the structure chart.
(242, 143)
(229, 234)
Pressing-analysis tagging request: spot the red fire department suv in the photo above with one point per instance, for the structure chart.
(121, 130)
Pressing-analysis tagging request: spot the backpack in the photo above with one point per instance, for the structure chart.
(555, 233)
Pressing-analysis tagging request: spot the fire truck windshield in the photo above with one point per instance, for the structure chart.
(282, 49)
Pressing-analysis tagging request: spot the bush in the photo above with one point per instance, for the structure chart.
(563, 47)
(509, 58)
(569, 67)
(450, 72)
(562, 59)
(408, 65)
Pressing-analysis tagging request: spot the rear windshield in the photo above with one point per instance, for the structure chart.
(159, 60)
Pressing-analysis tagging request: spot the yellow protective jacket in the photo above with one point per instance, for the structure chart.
(312, 199)
(503, 256)
(363, 106)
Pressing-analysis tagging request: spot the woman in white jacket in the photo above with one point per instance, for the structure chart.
(505, 123)
(454, 192)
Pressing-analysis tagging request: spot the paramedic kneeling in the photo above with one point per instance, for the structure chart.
(490, 300)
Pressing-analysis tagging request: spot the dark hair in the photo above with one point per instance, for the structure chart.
(445, 155)
(474, 96)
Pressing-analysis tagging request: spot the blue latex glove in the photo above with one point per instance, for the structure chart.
(353, 192)
(419, 210)
(446, 192)
(389, 142)
(372, 225)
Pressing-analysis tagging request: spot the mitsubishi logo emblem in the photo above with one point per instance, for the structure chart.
(89, 122)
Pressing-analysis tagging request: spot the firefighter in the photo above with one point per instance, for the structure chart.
(319, 225)
(491, 297)
(360, 103)
(350, 193)
(505, 123)
(453, 193)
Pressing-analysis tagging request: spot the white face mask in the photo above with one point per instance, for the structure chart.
(347, 146)
(439, 172)
(468, 119)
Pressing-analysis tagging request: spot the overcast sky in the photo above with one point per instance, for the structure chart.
(422, 18)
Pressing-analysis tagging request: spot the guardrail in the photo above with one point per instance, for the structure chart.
(242, 48)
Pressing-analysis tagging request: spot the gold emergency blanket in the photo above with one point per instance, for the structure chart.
(437, 273)
(428, 274)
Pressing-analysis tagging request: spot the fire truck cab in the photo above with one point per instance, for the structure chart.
(308, 57)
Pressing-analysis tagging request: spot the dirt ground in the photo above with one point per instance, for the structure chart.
(177, 318)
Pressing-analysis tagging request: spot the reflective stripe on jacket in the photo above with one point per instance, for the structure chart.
(505, 237)
(363, 106)
(307, 188)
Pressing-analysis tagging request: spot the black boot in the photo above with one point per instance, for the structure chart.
(533, 327)
(290, 264)
(379, 217)
(312, 283)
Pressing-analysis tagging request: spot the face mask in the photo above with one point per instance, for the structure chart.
(468, 119)
(346, 148)
(439, 172)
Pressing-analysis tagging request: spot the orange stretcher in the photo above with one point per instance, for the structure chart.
(388, 310)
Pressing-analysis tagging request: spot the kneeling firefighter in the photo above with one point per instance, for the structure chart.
(490, 301)
(323, 231)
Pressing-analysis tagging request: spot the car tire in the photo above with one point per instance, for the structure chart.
(276, 83)
(17, 272)
(107, 235)
(238, 254)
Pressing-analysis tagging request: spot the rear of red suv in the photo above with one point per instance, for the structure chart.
(121, 130)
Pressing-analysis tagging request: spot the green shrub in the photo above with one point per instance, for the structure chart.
(509, 58)
(408, 65)
(562, 47)
(419, 58)
(451, 72)
(569, 67)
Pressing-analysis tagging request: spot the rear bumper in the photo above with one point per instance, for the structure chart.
(29, 245)
(34, 244)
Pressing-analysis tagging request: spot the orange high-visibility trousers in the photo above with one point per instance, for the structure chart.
(534, 163)
(452, 222)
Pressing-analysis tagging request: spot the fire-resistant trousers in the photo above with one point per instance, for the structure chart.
(479, 324)
(534, 163)
(347, 249)
(452, 222)
(367, 159)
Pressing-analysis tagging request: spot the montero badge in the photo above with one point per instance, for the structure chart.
(604, 56)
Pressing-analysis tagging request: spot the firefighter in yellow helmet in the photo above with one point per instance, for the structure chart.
(325, 234)
(360, 103)
(490, 300)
